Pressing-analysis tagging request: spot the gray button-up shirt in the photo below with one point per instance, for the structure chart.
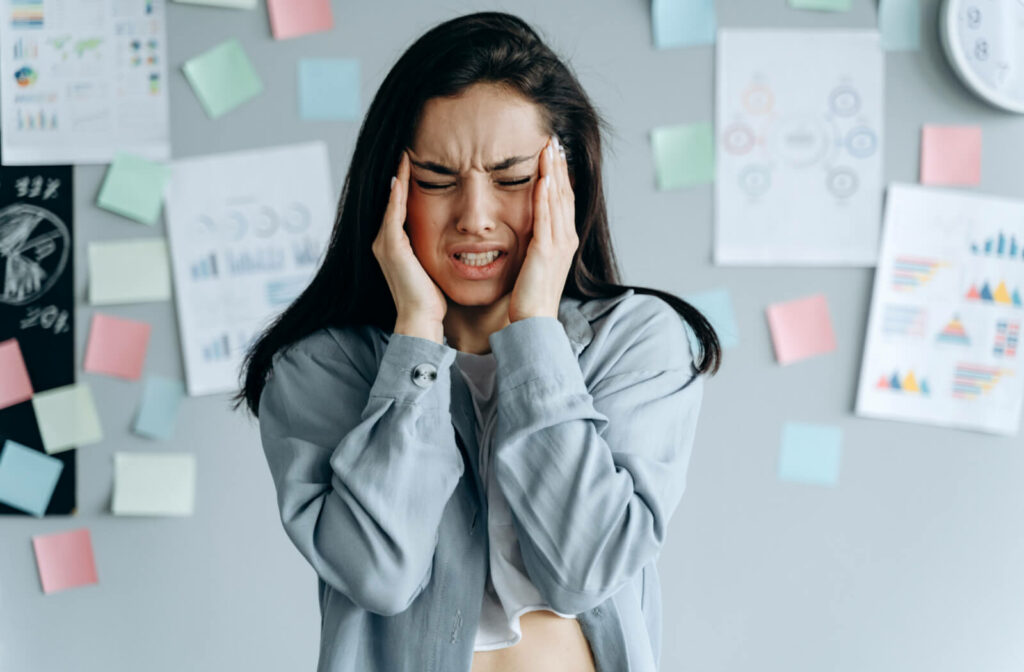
(372, 446)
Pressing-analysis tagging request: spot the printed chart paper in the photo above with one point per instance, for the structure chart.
(82, 79)
(247, 230)
(943, 340)
(798, 147)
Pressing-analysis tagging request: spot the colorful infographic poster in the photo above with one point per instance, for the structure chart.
(799, 123)
(82, 79)
(944, 332)
(247, 232)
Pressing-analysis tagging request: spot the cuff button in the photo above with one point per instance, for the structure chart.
(424, 374)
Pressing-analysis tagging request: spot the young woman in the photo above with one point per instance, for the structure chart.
(477, 435)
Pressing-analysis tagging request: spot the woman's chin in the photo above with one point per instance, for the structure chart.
(478, 296)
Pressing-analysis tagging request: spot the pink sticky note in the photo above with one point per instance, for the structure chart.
(116, 347)
(801, 328)
(950, 155)
(65, 560)
(292, 18)
(15, 386)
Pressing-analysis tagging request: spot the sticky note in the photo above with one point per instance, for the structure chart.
(154, 484)
(67, 417)
(233, 4)
(716, 306)
(159, 407)
(27, 478)
(222, 78)
(801, 328)
(810, 453)
(822, 5)
(950, 155)
(65, 560)
(329, 88)
(684, 155)
(15, 386)
(134, 187)
(117, 347)
(292, 18)
(129, 271)
(682, 23)
(900, 24)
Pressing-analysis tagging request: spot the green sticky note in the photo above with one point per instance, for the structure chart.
(900, 23)
(134, 187)
(223, 78)
(684, 155)
(822, 5)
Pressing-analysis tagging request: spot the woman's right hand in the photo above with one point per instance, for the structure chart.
(418, 299)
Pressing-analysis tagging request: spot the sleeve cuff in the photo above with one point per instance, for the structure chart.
(535, 348)
(415, 370)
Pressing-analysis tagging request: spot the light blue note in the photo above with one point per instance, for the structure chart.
(159, 407)
(27, 478)
(900, 23)
(716, 305)
(683, 23)
(329, 88)
(810, 453)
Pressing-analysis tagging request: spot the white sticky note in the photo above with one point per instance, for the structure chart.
(129, 271)
(67, 417)
(154, 484)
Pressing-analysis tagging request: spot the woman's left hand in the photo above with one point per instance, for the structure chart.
(538, 289)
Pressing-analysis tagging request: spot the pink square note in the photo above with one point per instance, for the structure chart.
(15, 386)
(116, 347)
(801, 328)
(950, 155)
(65, 560)
(292, 18)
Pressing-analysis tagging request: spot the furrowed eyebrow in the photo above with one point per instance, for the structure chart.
(442, 169)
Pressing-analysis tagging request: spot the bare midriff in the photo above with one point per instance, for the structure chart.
(550, 643)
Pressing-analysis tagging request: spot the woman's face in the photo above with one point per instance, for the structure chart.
(473, 175)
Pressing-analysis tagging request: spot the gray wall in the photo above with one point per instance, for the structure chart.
(911, 563)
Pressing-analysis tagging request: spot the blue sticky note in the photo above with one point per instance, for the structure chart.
(716, 306)
(900, 23)
(159, 407)
(810, 453)
(27, 477)
(329, 88)
(682, 23)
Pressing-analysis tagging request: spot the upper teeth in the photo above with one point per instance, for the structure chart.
(478, 257)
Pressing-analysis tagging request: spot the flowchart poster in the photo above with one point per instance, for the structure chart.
(943, 340)
(247, 231)
(798, 159)
(37, 301)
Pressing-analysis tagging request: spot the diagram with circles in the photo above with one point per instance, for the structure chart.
(798, 147)
(34, 249)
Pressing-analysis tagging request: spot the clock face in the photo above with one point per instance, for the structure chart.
(984, 40)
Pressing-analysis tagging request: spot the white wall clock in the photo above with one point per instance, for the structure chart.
(984, 40)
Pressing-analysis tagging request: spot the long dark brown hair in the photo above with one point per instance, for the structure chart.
(492, 47)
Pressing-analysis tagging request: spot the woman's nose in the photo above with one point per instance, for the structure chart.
(476, 207)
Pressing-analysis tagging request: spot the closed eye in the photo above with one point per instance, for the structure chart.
(505, 183)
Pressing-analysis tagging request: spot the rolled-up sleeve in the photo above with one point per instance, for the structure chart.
(593, 475)
(363, 465)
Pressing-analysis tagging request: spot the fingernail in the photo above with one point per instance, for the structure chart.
(547, 181)
(393, 180)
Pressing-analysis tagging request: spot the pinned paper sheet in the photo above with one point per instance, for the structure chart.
(159, 407)
(117, 347)
(292, 18)
(682, 23)
(329, 88)
(65, 560)
(67, 417)
(684, 155)
(27, 478)
(810, 453)
(716, 306)
(950, 155)
(900, 23)
(223, 78)
(822, 5)
(154, 484)
(233, 4)
(15, 386)
(129, 271)
(134, 187)
(801, 328)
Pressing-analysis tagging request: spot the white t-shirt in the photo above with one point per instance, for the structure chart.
(509, 592)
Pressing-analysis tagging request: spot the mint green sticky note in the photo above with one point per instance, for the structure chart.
(223, 78)
(900, 23)
(810, 453)
(822, 5)
(134, 187)
(684, 155)
(683, 23)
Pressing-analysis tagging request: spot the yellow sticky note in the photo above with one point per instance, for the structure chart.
(129, 271)
(67, 417)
